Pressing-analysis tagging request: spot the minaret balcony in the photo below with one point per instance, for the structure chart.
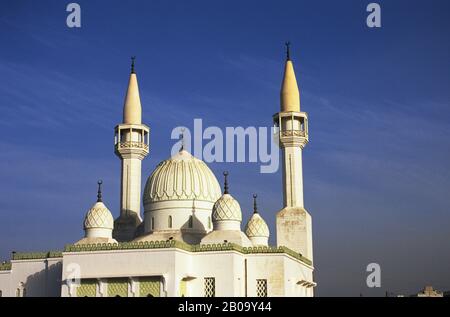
(291, 128)
(131, 139)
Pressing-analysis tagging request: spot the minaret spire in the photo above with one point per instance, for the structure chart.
(132, 109)
(293, 221)
(99, 192)
(131, 146)
(289, 95)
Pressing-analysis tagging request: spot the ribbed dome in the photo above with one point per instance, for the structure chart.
(257, 227)
(226, 208)
(182, 177)
(99, 216)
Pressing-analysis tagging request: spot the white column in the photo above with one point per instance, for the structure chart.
(131, 187)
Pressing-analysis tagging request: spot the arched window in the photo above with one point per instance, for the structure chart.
(1, 293)
(153, 223)
(191, 221)
(170, 222)
(18, 292)
(24, 292)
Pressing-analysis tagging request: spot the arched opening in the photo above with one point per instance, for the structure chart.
(170, 222)
(153, 223)
(149, 295)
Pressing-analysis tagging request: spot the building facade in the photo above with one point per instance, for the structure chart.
(189, 240)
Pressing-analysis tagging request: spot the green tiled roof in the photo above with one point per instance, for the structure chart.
(5, 266)
(172, 244)
(36, 255)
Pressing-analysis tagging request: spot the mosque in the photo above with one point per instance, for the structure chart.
(188, 241)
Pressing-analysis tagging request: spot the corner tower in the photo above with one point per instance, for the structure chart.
(293, 221)
(131, 146)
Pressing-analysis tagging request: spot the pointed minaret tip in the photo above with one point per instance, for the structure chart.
(288, 51)
(133, 58)
(132, 110)
(290, 95)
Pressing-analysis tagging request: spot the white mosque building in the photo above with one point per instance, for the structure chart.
(189, 240)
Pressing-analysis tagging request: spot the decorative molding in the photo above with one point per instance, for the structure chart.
(132, 144)
(298, 133)
(173, 244)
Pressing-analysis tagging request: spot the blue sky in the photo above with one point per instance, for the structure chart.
(376, 169)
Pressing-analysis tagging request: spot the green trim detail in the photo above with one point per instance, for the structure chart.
(173, 244)
(5, 266)
(36, 255)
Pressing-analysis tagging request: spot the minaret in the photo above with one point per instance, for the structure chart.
(293, 221)
(131, 146)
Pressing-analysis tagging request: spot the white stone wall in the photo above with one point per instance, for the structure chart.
(5, 283)
(39, 278)
(227, 267)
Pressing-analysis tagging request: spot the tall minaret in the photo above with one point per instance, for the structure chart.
(131, 145)
(293, 221)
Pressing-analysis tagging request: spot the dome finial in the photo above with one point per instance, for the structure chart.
(182, 140)
(255, 207)
(288, 50)
(99, 193)
(133, 58)
(225, 187)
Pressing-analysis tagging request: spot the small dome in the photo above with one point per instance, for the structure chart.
(182, 177)
(257, 227)
(99, 216)
(226, 208)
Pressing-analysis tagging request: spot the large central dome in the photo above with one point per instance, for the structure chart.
(182, 177)
(179, 196)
